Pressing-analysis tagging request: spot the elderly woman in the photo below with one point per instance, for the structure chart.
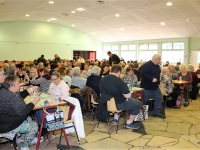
(44, 80)
(63, 73)
(76, 79)
(14, 112)
(94, 79)
(130, 78)
(185, 76)
(195, 89)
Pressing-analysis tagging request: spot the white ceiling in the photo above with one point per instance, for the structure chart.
(100, 18)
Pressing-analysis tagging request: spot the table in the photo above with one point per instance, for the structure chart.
(183, 84)
(139, 90)
(40, 105)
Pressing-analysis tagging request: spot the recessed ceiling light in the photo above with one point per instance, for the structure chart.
(93, 32)
(162, 23)
(188, 20)
(53, 18)
(51, 2)
(122, 29)
(169, 4)
(117, 15)
(73, 25)
(100, 2)
(48, 20)
(80, 9)
(27, 15)
(65, 14)
(73, 12)
(139, 27)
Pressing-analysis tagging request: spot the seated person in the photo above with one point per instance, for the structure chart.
(112, 85)
(169, 87)
(14, 112)
(136, 70)
(76, 79)
(173, 73)
(195, 89)
(85, 72)
(130, 79)
(185, 76)
(105, 70)
(63, 73)
(94, 79)
(2, 75)
(44, 81)
(18, 71)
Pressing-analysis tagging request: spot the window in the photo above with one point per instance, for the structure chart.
(124, 47)
(132, 47)
(143, 46)
(107, 48)
(147, 55)
(153, 46)
(178, 45)
(166, 45)
(114, 47)
(130, 55)
(172, 56)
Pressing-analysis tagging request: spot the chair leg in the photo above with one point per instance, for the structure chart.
(108, 122)
(14, 143)
(76, 133)
(66, 139)
(98, 124)
(60, 136)
(117, 125)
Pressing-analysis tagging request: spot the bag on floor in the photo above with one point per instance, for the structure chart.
(139, 117)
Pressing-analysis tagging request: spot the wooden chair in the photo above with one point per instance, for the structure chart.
(111, 107)
(65, 110)
(95, 108)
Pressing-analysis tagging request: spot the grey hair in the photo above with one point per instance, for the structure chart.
(76, 71)
(164, 70)
(190, 66)
(94, 70)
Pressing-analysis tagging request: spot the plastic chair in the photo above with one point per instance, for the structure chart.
(111, 107)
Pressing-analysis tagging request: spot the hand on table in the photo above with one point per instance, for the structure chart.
(36, 100)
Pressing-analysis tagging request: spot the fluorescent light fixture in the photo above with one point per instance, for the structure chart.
(53, 18)
(162, 23)
(93, 32)
(122, 29)
(48, 20)
(169, 4)
(51, 2)
(73, 12)
(73, 25)
(27, 15)
(117, 15)
(80, 9)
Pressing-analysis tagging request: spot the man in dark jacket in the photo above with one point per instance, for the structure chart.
(113, 58)
(41, 59)
(150, 79)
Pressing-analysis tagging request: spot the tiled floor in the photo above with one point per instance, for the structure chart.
(179, 131)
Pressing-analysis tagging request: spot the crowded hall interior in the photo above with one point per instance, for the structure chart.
(95, 75)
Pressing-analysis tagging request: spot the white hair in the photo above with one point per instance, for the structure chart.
(94, 70)
(164, 70)
(76, 71)
(190, 66)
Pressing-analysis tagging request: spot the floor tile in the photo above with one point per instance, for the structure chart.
(108, 144)
(155, 125)
(173, 119)
(176, 113)
(95, 136)
(157, 141)
(136, 148)
(194, 140)
(182, 128)
(191, 119)
(103, 127)
(193, 113)
(198, 136)
(139, 142)
(163, 133)
(195, 129)
(147, 136)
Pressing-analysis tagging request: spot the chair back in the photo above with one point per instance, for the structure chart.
(92, 99)
(65, 110)
(111, 106)
(162, 88)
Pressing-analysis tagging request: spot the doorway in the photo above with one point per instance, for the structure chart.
(87, 55)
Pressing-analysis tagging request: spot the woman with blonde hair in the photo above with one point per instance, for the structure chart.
(185, 76)
(63, 73)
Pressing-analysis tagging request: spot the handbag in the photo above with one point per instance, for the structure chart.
(54, 120)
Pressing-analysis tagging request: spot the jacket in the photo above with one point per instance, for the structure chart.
(102, 112)
(85, 95)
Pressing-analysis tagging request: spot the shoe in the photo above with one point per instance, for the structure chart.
(186, 104)
(19, 139)
(34, 141)
(114, 121)
(131, 126)
(24, 148)
(160, 116)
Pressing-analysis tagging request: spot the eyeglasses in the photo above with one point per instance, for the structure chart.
(54, 79)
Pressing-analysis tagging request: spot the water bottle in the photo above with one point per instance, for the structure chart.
(180, 78)
(56, 98)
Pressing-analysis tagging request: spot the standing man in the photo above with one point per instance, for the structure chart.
(150, 79)
(113, 58)
(41, 59)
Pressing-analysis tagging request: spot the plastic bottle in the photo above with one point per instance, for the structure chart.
(56, 98)
(180, 78)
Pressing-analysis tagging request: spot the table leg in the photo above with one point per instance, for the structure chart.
(40, 132)
(181, 98)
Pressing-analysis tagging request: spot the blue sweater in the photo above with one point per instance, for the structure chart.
(148, 72)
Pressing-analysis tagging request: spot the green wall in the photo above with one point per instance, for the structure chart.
(24, 40)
